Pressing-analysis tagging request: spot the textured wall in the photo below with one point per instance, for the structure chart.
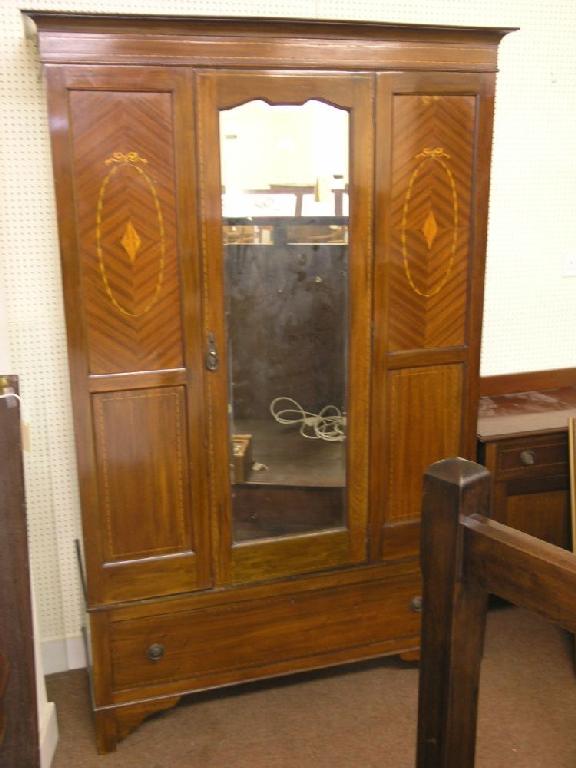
(530, 308)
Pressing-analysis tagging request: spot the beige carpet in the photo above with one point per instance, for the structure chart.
(360, 716)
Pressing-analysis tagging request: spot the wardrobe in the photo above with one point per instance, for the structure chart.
(272, 235)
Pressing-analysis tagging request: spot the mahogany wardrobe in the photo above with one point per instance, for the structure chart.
(273, 236)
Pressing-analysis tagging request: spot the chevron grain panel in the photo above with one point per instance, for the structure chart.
(126, 221)
(430, 399)
(433, 140)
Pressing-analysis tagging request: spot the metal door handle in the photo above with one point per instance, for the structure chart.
(212, 359)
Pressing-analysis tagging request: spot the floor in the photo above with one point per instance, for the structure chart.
(360, 716)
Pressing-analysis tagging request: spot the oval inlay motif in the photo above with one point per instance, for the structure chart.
(129, 161)
(430, 155)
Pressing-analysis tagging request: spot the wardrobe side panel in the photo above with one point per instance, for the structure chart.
(123, 154)
(429, 173)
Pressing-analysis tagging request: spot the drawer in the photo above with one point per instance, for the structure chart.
(201, 648)
(543, 455)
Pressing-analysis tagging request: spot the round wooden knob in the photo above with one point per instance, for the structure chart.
(416, 604)
(155, 652)
(527, 458)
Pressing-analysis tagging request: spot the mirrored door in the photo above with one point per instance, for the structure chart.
(284, 173)
(288, 261)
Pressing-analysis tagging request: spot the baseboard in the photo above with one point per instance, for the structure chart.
(62, 654)
(48, 728)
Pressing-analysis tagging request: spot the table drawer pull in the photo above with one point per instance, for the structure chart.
(528, 458)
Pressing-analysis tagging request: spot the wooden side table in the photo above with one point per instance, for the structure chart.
(523, 441)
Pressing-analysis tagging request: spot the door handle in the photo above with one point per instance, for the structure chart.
(212, 359)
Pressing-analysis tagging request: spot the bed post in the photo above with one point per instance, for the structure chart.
(454, 617)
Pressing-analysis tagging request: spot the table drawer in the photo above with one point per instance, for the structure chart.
(543, 455)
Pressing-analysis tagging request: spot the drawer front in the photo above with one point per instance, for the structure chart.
(544, 515)
(204, 644)
(544, 455)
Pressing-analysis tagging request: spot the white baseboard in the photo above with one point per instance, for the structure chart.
(62, 654)
(48, 728)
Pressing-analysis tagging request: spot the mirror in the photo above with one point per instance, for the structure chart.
(285, 232)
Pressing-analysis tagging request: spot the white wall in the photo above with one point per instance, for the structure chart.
(530, 307)
(5, 364)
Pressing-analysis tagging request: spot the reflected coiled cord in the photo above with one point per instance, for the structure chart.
(329, 424)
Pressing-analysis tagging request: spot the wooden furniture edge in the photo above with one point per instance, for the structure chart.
(67, 21)
(480, 557)
(527, 381)
(200, 41)
(19, 725)
(572, 479)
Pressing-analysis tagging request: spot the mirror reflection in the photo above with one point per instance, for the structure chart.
(285, 233)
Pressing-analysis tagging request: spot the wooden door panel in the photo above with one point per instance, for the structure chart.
(286, 555)
(123, 148)
(132, 291)
(424, 425)
(432, 146)
(143, 463)
(431, 174)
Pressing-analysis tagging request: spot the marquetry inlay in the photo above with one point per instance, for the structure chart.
(430, 223)
(125, 157)
(430, 226)
(130, 163)
(131, 241)
(430, 229)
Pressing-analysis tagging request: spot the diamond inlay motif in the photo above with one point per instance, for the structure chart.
(430, 229)
(131, 241)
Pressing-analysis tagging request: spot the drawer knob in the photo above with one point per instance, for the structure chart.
(528, 458)
(155, 652)
(416, 604)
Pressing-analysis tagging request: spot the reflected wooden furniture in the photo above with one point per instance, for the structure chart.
(19, 740)
(479, 557)
(523, 441)
(177, 600)
(300, 191)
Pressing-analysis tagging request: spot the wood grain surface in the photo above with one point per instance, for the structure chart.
(480, 557)
(19, 736)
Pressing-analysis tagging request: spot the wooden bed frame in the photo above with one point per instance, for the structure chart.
(465, 557)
